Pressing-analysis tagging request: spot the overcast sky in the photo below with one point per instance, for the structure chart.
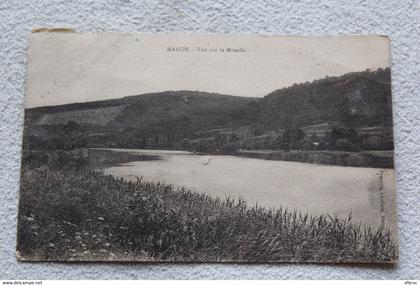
(68, 67)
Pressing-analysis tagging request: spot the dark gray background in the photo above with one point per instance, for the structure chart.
(396, 18)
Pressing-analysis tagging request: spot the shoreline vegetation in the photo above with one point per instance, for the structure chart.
(68, 211)
(375, 159)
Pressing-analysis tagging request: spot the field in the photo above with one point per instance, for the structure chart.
(67, 211)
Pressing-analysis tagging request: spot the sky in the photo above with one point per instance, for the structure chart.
(70, 67)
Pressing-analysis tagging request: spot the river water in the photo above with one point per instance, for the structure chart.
(368, 193)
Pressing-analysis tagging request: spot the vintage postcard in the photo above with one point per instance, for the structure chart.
(193, 148)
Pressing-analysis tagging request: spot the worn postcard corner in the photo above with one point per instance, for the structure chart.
(53, 30)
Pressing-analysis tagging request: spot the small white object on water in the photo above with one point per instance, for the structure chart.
(205, 160)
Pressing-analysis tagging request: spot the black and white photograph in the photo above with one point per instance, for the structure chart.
(207, 148)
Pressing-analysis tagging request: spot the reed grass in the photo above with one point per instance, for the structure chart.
(80, 214)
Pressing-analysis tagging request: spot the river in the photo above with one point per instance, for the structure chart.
(368, 193)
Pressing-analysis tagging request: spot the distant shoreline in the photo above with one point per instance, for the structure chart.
(370, 159)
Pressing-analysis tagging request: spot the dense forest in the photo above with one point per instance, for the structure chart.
(351, 113)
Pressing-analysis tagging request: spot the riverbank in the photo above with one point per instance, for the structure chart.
(74, 213)
(375, 159)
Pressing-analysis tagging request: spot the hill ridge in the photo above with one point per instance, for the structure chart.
(168, 119)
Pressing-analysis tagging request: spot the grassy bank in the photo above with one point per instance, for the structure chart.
(376, 159)
(71, 212)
